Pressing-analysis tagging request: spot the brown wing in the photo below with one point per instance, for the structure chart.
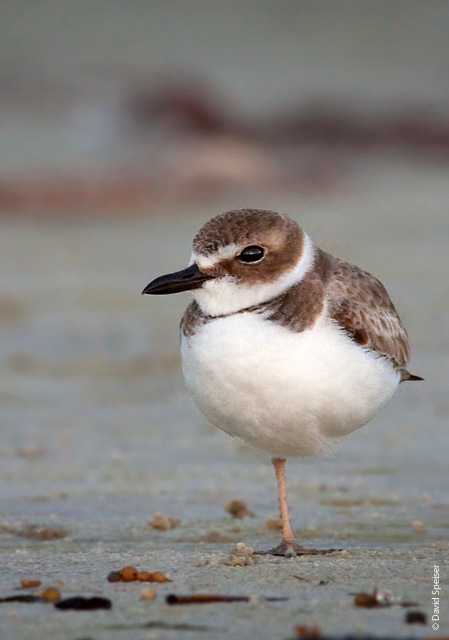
(361, 305)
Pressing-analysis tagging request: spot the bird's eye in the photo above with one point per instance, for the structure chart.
(251, 254)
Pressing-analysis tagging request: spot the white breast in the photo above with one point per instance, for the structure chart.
(291, 394)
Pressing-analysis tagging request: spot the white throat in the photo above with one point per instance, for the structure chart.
(224, 296)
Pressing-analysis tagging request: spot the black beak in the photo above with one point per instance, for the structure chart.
(190, 278)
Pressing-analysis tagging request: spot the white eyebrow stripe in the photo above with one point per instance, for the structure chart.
(224, 253)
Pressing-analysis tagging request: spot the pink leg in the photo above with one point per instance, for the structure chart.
(279, 468)
(288, 547)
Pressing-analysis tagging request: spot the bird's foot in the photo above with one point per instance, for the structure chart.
(293, 549)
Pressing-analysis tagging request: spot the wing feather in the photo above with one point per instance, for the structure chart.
(360, 304)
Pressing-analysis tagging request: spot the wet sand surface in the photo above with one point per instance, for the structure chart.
(99, 434)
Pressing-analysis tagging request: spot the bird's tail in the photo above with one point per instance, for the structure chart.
(406, 376)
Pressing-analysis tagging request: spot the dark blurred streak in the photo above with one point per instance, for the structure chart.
(186, 139)
(185, 108)
(191, 110)
(410, 130)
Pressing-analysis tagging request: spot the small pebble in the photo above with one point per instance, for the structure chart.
(163, 523)
(29, 583)
(367, 600)
(418, 526)
(158, 576)
(51, 595)
(148, 594)
(238, 509)
(144, 576)
(128, 574)
(114, 576)
(241, 556)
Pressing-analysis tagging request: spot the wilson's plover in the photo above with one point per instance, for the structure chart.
(284, 346)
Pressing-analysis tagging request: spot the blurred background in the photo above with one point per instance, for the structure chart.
(124, 126)
(121, 106)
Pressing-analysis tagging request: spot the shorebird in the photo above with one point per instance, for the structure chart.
(284, 345)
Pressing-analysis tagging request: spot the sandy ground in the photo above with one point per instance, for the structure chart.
(98, 433)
